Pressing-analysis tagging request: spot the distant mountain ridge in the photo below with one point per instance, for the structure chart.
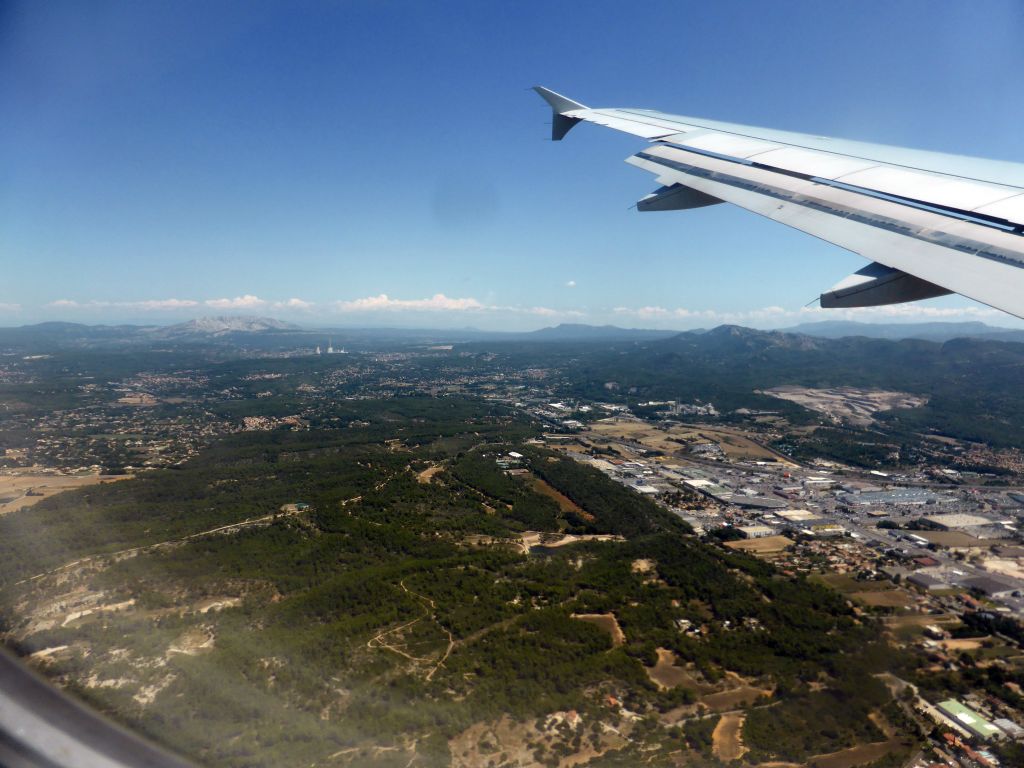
(222, 324)
(971, 385)
(933, 331)
(267, 332)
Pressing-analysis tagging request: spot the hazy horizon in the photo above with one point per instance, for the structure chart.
(393, 323)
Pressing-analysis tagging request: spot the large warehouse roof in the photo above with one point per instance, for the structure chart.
(969, 719)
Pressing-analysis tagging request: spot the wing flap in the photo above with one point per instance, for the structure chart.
(876, 285)
(946, 191)
(1010, 208)
(743, 147)
(978, 261)
(826, 165)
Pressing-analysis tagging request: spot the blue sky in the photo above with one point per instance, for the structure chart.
(383, 163)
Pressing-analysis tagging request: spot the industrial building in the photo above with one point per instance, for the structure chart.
(1010, 728)
(927, 582)
(797, 515)
(969, 720)
(755, 531)
(913, 496)
(755, 502)
(990, 587)
(956, 520)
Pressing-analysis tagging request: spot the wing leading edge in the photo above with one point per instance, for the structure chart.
(931, 224)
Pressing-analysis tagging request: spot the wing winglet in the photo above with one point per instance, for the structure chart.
(561, 123)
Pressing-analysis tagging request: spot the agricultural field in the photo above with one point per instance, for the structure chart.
(887, 598)
(24, 488)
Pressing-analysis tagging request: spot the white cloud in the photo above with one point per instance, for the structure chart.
(542, 311)
(441, 303)
(571, 284)
(160, 304)
(642, 311)
(436, 303)
(239, 302)
(907, 311)
(662, 313)
(6, 307)
(292, 304)
(775, 315)
(149, 304)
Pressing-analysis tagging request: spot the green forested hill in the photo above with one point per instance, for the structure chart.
(975, 387)
(401, 609)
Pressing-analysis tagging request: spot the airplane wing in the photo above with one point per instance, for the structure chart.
(931, 224)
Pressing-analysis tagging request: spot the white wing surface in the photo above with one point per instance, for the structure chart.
(930, 223)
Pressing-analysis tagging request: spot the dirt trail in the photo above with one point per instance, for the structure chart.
(230, 528)
(429, 607)
(132, 551)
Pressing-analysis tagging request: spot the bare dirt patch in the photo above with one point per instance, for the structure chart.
(882, 724)
(605, 621)
(1005, 567)
(147, 694)
(647, 569)
(482, 743)
(643, 565)
(666, 674)
(547, 540)
(564, 502)
(192, 642)
(217, 604)
(963, 643)
(727, 738)
(48, 653)
(97, 609)
(427, 475)
(856, 406)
